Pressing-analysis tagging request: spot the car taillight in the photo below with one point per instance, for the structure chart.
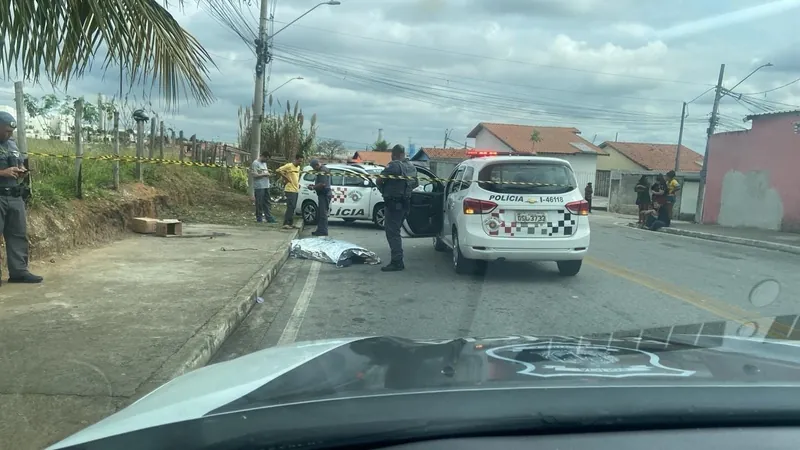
(581, 207)
(475, 206)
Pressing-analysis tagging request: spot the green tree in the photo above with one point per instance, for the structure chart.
(381, 146)
(59, 40)
(282, 135)
(535, 137)
(90, 119)
(330, 148)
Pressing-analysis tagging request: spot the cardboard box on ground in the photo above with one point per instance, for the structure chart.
(159, 227)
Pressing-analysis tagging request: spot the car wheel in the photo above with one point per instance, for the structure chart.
(378, 216)
(438, 244)
(569, 268)
(309, 212)
(349, 220)
(461, 264)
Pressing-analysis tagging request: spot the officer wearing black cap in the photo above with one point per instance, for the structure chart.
(12, 206)
(396, 182)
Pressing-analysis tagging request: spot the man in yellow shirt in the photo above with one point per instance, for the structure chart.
(672, 191)
(290, 172)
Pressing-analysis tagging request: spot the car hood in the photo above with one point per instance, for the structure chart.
(764, 350)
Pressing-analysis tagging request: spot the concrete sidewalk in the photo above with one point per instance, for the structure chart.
(771, 240)
(114, 323)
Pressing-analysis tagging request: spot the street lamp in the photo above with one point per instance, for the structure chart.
(262, 57)
(748, 76)
(264, 102)
(330, 3)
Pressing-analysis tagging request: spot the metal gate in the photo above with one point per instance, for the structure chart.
(602, 183)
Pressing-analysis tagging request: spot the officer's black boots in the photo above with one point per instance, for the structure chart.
(393, 267)
(26, 278)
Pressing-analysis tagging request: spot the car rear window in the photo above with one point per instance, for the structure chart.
(502, 178)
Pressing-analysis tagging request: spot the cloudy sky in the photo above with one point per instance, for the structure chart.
(415, 68)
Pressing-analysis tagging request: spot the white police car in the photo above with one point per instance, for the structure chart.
(514, 208)
(355, 194)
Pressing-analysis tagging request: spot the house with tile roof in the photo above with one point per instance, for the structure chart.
(441, 161)
(633, 156)
(559, 142)
(752, 174)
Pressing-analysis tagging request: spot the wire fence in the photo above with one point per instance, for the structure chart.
(99, 143)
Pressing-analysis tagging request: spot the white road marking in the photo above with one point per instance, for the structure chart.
(299, 312)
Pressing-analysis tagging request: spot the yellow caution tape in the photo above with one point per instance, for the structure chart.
(130, 159)
(303, 172)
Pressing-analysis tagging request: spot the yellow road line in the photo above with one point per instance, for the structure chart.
(712, 305)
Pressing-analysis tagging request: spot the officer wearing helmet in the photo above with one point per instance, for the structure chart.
(12, 205)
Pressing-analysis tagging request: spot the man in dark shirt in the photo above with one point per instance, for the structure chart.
(587, 195)
(396, 202)
(322, 186)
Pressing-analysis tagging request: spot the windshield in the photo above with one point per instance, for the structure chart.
(527, 178)
(219, 214)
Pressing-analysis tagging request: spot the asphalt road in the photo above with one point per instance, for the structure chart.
(632, 279)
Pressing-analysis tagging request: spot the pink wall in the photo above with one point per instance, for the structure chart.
(769, 151)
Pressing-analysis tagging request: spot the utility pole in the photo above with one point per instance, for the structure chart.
(680, 140)
(19, 99)
(258, 95)
(268, 48)
(446, 137)
(701, 189)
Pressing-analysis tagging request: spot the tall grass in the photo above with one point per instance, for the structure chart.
(54, 180)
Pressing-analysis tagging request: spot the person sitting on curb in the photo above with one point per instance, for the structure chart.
(655, 218)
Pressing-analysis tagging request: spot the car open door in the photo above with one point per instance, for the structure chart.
(425, 216)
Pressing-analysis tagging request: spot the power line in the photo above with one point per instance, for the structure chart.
(417, 95)
(704, 93)
(491, 102)
(377, 75)
(773, 89)
(449, 78)
(492, 58)
(470, 107)
(231, 59)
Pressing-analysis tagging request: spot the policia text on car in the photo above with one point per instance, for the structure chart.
(12, 204)
(396, 202)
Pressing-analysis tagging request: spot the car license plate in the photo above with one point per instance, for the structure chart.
(534, 218)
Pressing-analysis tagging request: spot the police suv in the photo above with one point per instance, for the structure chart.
(355, 194)
(514, 208)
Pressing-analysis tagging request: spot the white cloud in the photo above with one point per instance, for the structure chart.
(416, 68)
(634, 29)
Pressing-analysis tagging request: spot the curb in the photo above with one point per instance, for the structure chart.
(729, 239)
(199, 349)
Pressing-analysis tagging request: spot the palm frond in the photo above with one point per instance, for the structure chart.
(60, 40)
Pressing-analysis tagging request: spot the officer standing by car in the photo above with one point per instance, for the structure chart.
(322, 186)
(12, 206)
(396, 202)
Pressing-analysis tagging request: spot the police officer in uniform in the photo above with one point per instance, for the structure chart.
(396, 202)
(322, 186)
(12, 205)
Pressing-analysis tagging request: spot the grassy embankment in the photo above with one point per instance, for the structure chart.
(59, 222)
